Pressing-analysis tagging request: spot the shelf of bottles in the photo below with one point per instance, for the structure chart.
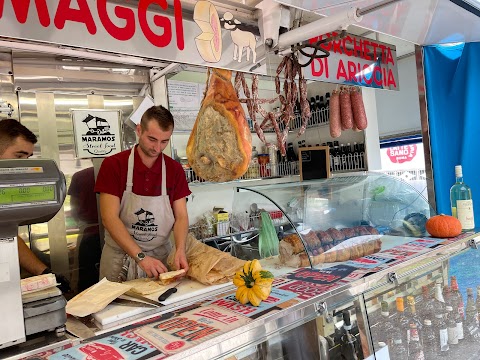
(256, 171)
(426, 319)
(348, 162)
(319, 117)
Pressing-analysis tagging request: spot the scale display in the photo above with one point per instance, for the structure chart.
(27, 194)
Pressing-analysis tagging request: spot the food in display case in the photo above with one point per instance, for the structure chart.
(340, 219)
(329, 246)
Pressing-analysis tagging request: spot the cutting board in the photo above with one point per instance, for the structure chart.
(186, 289)
(115, 313)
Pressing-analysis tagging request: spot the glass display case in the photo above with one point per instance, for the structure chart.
(321, 222)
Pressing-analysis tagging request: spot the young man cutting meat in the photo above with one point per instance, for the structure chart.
(142, 198)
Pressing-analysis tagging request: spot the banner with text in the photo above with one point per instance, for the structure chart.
(353, 60)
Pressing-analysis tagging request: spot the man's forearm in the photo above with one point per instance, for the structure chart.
(28, 260)
(180, 232)
(119, 233)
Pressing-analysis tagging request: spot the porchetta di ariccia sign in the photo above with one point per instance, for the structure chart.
(151, 29)
(354, 60)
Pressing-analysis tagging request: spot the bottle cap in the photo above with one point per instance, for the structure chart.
(448, 308)
(427, 322)
(458, 171)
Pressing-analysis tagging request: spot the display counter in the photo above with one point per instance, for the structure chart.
(324, 311)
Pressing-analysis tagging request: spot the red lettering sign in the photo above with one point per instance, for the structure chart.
(159, 35)
(402, 154)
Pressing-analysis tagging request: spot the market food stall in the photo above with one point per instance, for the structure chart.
(96, 65)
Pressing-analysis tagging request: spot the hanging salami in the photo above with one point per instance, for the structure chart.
(358, 109)
(335, 121)
(346, 114)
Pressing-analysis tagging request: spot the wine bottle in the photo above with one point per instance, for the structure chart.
(415, 348)
(451, 327)
(441, 330)
(427, 306)
(402, 320)
(457, 297)
(431, 346)
(385, 325)
(461, 201)
(412, 314)
(471, 321)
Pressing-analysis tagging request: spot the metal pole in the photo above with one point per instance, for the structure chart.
(374, 7)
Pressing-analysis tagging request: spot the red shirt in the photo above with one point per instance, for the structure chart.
(112, 177)
(81, 188)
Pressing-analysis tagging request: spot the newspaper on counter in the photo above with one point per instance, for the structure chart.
(95, 298)
(191, 328)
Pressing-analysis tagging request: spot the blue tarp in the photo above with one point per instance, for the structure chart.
(452, 78)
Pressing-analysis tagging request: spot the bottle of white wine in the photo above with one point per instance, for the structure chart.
(461, 201)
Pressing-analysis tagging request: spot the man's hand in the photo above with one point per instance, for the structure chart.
(180, 261)
(62, 281)
(152, 267)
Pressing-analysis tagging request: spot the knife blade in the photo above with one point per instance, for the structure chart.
(133, 303)
(142, 298)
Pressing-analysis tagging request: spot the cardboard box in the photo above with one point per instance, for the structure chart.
(220, 214)
(222, 221)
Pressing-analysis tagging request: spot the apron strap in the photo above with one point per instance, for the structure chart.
(130, 170)
(164, 177)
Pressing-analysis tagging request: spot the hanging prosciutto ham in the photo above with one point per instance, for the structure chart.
(220, 145)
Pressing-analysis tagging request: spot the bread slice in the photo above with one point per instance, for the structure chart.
(171, 276)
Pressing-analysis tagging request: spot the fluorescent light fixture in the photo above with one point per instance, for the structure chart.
(472, 6)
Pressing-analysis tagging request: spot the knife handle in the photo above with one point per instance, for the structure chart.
(167, 294)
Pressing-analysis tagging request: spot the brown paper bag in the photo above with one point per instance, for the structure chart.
(208, 265)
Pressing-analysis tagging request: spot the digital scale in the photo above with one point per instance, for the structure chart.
(31, 191)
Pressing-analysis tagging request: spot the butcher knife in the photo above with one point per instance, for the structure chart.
(142, 298)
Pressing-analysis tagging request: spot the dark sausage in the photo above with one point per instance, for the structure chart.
(335, 122)
(346, 114)
(358, 109)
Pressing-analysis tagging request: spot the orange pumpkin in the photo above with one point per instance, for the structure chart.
(443, 226)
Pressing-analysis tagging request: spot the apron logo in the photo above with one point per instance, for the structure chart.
(145, 228)
(98, 140)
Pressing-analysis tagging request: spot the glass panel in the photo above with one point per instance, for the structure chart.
(334, 220)
(432, 314)
(315, 339)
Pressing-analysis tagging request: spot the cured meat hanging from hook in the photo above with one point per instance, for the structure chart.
(358, 109)
(220, 145)
(346, 113)
(278, 121)
(335, 121)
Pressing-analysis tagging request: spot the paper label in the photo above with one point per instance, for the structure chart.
(465, 213)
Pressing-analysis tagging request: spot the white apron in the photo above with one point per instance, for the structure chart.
(149, 220)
